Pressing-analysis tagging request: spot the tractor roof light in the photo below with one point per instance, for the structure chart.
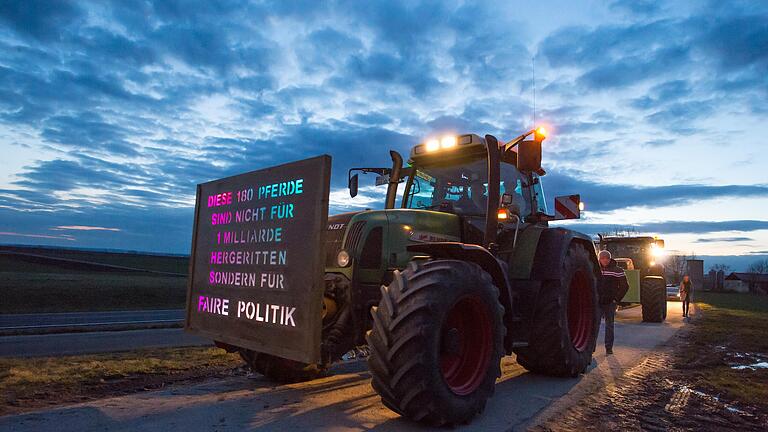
(541, 130)
(433, 145)
(448, 142)
(657, 251)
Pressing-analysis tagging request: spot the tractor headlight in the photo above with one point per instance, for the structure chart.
(342, 259)
(448, 142)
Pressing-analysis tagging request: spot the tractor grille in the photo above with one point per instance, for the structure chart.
(353, 236)
(337, 226)
(333, 246)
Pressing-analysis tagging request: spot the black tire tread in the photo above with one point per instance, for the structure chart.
(653, 299)
(549, 350)
(398, 361)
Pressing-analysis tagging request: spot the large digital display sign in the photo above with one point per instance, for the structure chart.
(256, 267)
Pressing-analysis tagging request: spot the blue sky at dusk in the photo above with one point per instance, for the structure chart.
(112, 112)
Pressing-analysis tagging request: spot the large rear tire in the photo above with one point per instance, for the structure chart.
(653, 299)
(437, 341)
(566, 320)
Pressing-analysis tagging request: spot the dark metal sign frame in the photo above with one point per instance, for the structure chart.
(248, 286)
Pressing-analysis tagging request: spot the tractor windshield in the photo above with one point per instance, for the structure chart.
(462, 188)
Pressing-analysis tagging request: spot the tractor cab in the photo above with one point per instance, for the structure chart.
(485, 182)
(451, 175)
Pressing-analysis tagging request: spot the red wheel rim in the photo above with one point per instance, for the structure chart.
(466, 345)
(580, 311)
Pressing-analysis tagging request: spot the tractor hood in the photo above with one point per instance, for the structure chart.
(387, 233)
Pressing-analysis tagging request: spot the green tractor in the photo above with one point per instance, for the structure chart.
(641, 257)
(462, 271)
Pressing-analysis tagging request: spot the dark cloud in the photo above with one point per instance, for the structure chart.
(662, 94)
(635, 68)
(88, 132)
(720, 42)
(636, 7)
(678, 117)
(386, 68)
(675, 227)
(607, 197)
(325, 50)
(659, 142)
(724, 239)
(39, 19)
(372, 118)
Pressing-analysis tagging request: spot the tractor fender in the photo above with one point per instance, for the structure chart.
(476, 254)
(551, 250)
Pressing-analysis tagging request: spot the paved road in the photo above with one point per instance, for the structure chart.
(95, 342)
(88, 319)
(344, 401)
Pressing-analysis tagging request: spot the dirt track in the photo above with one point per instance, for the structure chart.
(652, 397)
(345, 400)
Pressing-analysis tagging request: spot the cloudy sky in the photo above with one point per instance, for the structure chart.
(112, 112)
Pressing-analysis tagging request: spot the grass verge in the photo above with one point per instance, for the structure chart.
(29, 383)
(731, 332)
(34, 292)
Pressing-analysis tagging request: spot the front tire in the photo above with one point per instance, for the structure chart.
(653, 299)
(437, 341)
(566, 320)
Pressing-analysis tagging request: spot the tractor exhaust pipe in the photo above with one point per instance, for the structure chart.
(394, 179)
(491, 215)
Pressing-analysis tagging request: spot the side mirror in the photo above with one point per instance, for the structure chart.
(529, 156)
(568, 207)
(353, 185)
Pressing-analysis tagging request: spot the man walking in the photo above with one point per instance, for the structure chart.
(686, 289)
(611, 288)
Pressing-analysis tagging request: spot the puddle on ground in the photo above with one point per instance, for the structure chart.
(683, 393)
(747, 361)
(754, 366)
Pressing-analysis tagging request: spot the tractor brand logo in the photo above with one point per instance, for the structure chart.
(567, 207)
(427, 237)
(336, 226)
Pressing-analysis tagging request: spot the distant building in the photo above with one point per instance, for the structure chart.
(747, 282)
(714, 280)
(694, 268)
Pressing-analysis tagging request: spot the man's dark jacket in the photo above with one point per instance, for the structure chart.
(612, 285)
